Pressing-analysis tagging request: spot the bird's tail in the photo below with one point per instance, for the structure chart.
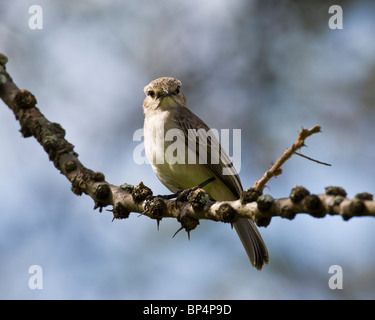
(252, 242)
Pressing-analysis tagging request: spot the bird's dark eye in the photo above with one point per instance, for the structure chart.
(151, 93)
(177, 90)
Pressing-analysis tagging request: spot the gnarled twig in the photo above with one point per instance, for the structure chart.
(126, 199)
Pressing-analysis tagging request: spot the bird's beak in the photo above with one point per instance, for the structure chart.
(165, 93)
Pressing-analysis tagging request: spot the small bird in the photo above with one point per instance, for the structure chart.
(174, 152)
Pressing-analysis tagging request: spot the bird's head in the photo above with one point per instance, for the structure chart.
(163, 93)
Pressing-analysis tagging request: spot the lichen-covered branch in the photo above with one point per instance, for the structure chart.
(126, 198)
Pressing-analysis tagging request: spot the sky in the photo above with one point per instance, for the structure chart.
(264, 67)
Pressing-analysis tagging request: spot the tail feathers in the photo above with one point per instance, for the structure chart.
(252, 242)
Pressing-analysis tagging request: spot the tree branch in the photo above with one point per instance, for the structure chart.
(127, 198)
(276, 168)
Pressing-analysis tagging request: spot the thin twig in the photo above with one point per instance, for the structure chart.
(311, 159)
(276, 168)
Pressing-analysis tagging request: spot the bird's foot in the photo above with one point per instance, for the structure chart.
(182, 195)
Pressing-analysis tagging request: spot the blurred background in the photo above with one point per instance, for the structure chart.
(265, 67)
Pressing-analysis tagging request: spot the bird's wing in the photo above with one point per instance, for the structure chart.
(205, 138)
(246, 229)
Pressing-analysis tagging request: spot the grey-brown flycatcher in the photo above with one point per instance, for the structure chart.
(184, 154)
